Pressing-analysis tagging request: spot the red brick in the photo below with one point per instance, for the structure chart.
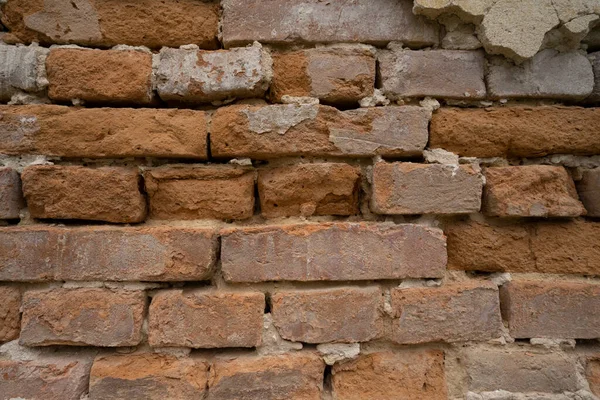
(554, 247)
(11, 196)
(103, 132)
(107, 253)
(56, 377)
(405, 374)
(334, 75)
(204, 319)
(309, 189)
(593, 376)
(408, 188)
(516, 131)
(450, 313)
(147, 376)
(537, 309)
(265, 132)
(530, 191)
(110, 194)
(82, 317)
(589, 191)
(344, 315)
(332, 251)
(106, 23)
(222, 192)
(293, 376)
(100, 76)
(10, 313)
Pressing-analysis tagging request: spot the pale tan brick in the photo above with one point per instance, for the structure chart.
(110, 194)
(204, 319)
(82, 317)
(344, 315)
(408, 188)
(303, 252)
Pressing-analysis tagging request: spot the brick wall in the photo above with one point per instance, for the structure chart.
(296, 199)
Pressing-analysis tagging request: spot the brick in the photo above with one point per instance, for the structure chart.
(108, 194)
(335, 75)
(147, 376)
(405, 374)
(10, 313)
(311, 130)
(100, 76)
(436, 73)
(516, 131)
(203, 319)
(549, 74)
(106, 23)
(595, 60)
(82, 317)
(222, 192)
(304, 252)
(103, 132)
(588, 189)
(303, 21)
(198, 76)
(593, 376)
(49, 377)
(450, 313)
(554, 247)
(11, 196)
(530, 191)
(309, 189)
(565, 310)
(519, 370)
(107, 254)
(22, 70)
(345, 315)
(294, 376)
(408, 188)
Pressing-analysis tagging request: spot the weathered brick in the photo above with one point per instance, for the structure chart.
(109, 194)
(147, 376)
(551, 309)
(294, 376)
(82, 317)
(10, 313)
(550, 74)
(408, 188)
(107, 254)
(103, 132)
(346, 315)
(451, 313)
(588, 189)
(223, 192)
(334, 75)
(530, 191)
(49, 377)
(339, 251)
(22, 70)
(593, 376)
(309, 189)
(106, 23)
(405, 374)
(11, 196)
(197, 76)
(204, 319)
(519, 370)
(436, 73)
(595, 60)
(311, 130)
(303, 21)
(555, 247)
(516, 131)
(100, 76)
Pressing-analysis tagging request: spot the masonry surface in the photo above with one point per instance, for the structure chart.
(300, 199)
